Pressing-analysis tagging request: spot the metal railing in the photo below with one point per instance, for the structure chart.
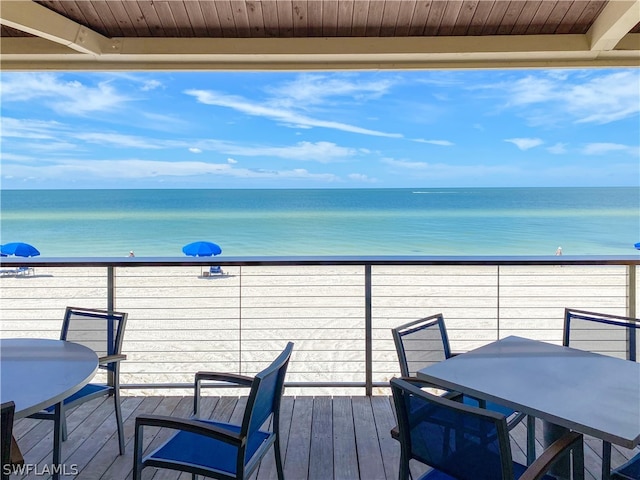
(338, 310)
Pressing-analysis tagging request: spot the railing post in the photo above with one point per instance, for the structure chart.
(111, 289)
(111, 307)
(632, 339)
(368, 332)
(631, 291)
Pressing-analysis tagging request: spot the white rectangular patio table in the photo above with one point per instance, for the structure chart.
(590, 393)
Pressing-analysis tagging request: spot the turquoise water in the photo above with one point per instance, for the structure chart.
(456, 221)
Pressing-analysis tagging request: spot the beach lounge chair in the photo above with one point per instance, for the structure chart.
(25, 271)
(103, 332)
(216, 270)
(218, 449)
(465, 442)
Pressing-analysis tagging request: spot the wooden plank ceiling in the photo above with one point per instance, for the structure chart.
(317, 34)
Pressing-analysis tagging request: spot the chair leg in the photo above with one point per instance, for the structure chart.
(116, 399)
(63, 423)
(137, 453)
(277, 452)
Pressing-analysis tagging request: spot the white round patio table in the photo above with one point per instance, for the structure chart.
(39, 373)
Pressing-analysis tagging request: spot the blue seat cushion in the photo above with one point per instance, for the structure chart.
(628, 471)
(89, 389)
(494, 407)
(518, 470)
(207, 452)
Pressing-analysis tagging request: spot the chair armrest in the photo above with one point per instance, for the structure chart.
(224, 377)
(448, 394)
(557, 449)
(111, 359)
(240, 380)
(193, 426)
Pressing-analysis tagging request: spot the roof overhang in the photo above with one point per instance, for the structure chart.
(56, 42)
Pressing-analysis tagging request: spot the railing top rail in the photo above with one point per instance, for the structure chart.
(321, 260)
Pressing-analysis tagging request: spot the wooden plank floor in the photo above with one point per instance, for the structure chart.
(323, 438)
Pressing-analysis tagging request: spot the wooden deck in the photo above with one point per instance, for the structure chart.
(323, 438)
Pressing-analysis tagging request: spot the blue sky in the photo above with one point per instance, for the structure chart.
(382, 129)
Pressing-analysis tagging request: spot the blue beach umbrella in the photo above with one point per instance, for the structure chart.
(637, 245)
(201, 249)
(19, 249)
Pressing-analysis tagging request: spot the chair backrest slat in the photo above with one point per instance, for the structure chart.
(266, 393)
(421, 343)
(612, 335)
(100, 330)
(465, 442)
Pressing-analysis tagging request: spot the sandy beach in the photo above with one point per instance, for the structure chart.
(181, 321)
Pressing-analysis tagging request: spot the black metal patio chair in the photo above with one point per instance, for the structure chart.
(423, 342)
(103, 332)
(462, 442)
(612, 335)
(217, 449)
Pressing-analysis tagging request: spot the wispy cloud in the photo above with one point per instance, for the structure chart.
(606, 148)
(442, 143)
(558, 148)
(64, 96)
(284, 115)
(322, 152)
(525, 143)
(133, 169)
(462, 173)
(312, 89)
(120, 140)
(580, 96)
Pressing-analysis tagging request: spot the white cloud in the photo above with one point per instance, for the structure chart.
(525, 143)
(361, 177)
(405, 164)
(195, 150)
(68, 97)
(558, 148)
(119, 140)
(150, 85)
(605, 148)
(284, 115)
(322, 152)
(442, 143)
(135, 169)
(594, 97)
(231, 161)
(425, 170)
(314, 89)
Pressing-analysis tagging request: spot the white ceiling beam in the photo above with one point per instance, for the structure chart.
(322, 53)
(614, 22)
(37, 20)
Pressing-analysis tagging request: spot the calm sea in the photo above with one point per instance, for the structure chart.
(457, 221)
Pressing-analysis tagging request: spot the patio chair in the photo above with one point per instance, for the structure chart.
(103, 332)
(462, 442)
(6, 437)
(217, 449)
(424, 342)
(611, 335)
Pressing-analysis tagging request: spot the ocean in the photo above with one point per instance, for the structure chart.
(430, 221)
